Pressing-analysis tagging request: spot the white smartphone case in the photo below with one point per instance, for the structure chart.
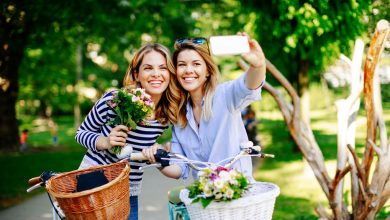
(229, 45)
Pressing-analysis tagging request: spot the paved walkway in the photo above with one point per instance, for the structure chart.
(152, 201)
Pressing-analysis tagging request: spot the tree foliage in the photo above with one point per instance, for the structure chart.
(45, 38)
(40, 42)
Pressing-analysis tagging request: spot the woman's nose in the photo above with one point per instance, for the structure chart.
(189, 69)
(156, 72)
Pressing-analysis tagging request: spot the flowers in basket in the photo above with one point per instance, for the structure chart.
(132, 106)
(221, 184)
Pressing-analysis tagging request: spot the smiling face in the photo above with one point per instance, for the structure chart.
(153, 75)
(191, 71)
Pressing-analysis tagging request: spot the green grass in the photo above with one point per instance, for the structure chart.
(21, 167)
(40, 156)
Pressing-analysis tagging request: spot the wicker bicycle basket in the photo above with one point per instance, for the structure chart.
(109, 201)
(257, 203)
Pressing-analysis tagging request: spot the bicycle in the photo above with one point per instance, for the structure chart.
(177, 210)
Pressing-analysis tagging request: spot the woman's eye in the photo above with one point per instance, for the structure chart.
(147, 68)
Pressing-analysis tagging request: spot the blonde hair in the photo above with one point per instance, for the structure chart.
(209, 86)
(166, 110)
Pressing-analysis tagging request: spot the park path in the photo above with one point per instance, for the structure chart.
(152, 201)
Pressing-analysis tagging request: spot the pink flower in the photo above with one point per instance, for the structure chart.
(219, 169)
(135, 98)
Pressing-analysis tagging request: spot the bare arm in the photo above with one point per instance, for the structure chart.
(172, 171)
(256, 59)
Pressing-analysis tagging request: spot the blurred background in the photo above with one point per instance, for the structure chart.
(58, 57)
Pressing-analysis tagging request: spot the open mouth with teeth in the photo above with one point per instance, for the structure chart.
(155, 83)
(190, 79)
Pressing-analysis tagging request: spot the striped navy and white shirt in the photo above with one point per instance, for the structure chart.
(95, 125)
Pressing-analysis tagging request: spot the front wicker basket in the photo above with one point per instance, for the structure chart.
(258, 203)
(109, 201)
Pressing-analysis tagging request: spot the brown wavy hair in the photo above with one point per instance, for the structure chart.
(166, 110)
(209, 86)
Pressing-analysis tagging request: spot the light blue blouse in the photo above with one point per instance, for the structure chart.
(220, 137)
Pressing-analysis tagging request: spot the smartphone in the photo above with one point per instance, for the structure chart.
(229, 45)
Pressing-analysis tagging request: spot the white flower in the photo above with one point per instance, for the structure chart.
(218, 195)
(233, 181)
(233, 174)
(207, 190)
(219, 183)
(224, 176)
(229, 193)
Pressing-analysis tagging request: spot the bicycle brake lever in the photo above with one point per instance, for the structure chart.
(267, 155)
(36, 186)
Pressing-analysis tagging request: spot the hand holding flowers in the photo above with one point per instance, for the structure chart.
(132, 106)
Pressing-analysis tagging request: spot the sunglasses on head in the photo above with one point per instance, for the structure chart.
(195, 40)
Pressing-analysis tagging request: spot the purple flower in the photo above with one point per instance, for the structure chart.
(213, 176)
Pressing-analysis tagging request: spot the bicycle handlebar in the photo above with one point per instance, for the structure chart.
(138, 156)
(247, 151)
(35, 180)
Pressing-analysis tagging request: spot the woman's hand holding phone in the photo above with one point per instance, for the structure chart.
(255, 57)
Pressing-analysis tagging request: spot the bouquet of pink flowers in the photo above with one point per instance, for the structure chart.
(132, 106)
(221, 184)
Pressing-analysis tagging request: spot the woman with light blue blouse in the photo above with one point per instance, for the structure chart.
(210, 126)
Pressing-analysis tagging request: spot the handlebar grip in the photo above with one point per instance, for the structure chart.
(159, 155)
(138, 156)
(35, 180)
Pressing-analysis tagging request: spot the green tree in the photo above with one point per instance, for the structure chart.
(303, 37)
(300, 37)
(40, 42)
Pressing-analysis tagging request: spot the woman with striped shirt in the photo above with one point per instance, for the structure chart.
(151, 69)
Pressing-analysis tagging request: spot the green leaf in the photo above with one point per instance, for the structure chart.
(116, 149)
(132, 124)
(205, 202)
(119, 114)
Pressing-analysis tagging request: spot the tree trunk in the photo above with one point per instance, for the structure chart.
(303, 90)
(79, 74)
(13, 39)
(370, 196)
